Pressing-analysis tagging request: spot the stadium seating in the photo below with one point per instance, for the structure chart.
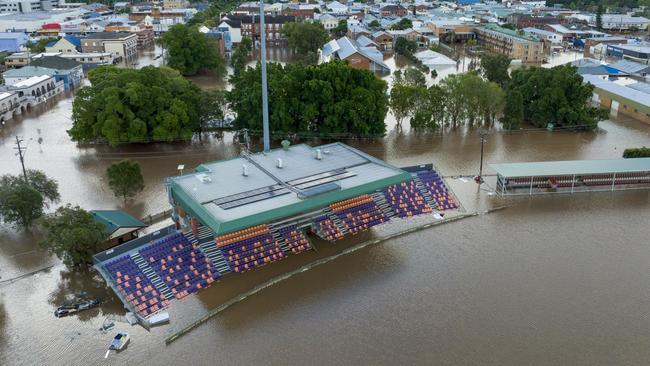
(180, 264)
(406, 199)
(295, 240)
(327, 229)
(249, 248)
(135, 286)
(437, 189)
(358, 213)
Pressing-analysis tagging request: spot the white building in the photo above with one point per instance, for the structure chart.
(37, 89)
(546, 36)
(622, 22)
(328, 21)
(27, 6)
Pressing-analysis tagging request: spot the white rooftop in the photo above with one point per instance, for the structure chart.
(31, 81)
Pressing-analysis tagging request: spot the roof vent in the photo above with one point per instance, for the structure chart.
(244, 170)
(319, 154)
(280, 163)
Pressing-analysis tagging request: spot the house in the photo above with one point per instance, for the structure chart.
(10, 104)
(366, 42)
(336, 7)
(511, 43)
(70, 72)
(384, 40)
(233, 27)
(67, 44)
(357, 56)
(119, 44)
(357, 30)
(328, 21)
(396, 11)
(120, 226)
(434, 60)
(250, 27)
(17, 59)
(546, 36)
(408, 33)
(12, 41)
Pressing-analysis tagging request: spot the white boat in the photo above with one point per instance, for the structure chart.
(120, 341)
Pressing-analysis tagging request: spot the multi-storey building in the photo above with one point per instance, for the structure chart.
(26, 6)
(119, 44)
(514, 44)
(250, 27)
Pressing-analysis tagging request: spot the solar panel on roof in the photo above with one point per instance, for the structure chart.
(256, 198)
(242, 195)
(316, 176)
(324, 180)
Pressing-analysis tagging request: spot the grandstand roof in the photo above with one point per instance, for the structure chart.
(220, 196)
(570, 167)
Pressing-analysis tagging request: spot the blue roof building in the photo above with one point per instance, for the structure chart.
(12, 41)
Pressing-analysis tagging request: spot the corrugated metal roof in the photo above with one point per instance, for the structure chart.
(616, 89)
(570, 167)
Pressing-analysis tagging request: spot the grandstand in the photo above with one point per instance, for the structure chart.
(572, 176)
(232, 216)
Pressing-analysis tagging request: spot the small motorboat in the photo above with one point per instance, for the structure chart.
(76, 306)
(120, 341)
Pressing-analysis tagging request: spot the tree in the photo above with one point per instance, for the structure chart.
(494, 67)
(125, 105)
(429, 110)
(21, 205)
(213, 108)
(405, 47)
(434, 74)
(599, 17)
(404, 23)
(240, 55)
(125, 179)
(312, 100)
(190, 51)
(73, 235)
(639, 152)
(513, 113)
(39, 46)
(374, 24)
(509, 26)
(305, 39)
(415, 77)
(403, 101)
(556, 96)
(341, 29)
(48, 188)
(21, 202)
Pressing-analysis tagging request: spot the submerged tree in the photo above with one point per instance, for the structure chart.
(23, 201)
(125, 179)
(73, 235)
(190, 51)
(494, 67)
(305, 39)
(240, 55)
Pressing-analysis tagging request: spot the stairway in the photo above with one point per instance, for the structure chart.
(383, 204)
(152, 276)
(209, 247)
(339, 224)
(277, 237)
(425, 192)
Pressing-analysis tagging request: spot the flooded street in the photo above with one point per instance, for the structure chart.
(546, 281)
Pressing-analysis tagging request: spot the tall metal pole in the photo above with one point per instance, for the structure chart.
(480, 171)
(22, 158)
(265, 99)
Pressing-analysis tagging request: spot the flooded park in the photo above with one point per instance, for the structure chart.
(532, 281)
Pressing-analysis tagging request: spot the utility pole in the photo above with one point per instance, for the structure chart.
(482, 134)
(265, 99)
(22, 157)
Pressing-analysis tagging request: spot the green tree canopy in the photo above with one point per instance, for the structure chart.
(513, 113)
(305, 39)
(405, 47)
(73, 235)
(341, 29)
(125, 179)
(241, 54)
(404, 23)
(213, 108)
(21, 205)
(331, 98)
(190, 51)
(403, 100)
(47, 187)
(556, 96)
(374, 24)
(39, 46)
(126, 105)
(494, 67)
(639, 152)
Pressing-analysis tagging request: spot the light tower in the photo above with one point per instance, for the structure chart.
(265, 99)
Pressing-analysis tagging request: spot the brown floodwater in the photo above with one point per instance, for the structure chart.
(545, 281)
